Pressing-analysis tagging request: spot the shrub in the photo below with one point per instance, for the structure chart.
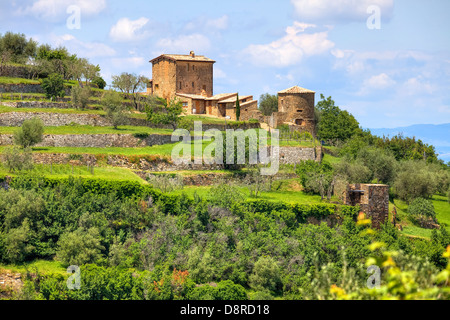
(53, 86)
(99, 82)
(421, 208)
(31, 133)
(15, 159)
(80, 97)
(414, 181)
(79, 247)
(265, 275)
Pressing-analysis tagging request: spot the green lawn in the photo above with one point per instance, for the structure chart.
(9, 80)
(42, 266)
(79, 129)
(284, 196)
(441, 206)
(64, 171)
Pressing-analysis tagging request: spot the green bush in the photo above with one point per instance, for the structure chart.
(79, 247)
(31, 133)
(15, 159)
(422, 208)
(265, 275)
(99, 82)
(54, 86)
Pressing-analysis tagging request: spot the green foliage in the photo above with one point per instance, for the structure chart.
(414, 180)
(421, 207)
(99, 82)
(334, 124)
(160, 111)
(30, 134)
(316, 177)
(80, 96)
(79, 247)
(54, 86)
(16, 159)
(115, 110)
(268, 104)
(265, 275)
(18, 48)
(130, 84)
(266, 246)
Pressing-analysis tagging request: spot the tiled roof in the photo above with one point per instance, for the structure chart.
(222, 96)
(191, 96)
(296, 89)
(233, 99)
(184, 57)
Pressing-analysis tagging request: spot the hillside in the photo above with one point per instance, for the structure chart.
(436, 135)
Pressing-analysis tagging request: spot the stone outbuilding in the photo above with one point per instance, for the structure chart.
(373, 200)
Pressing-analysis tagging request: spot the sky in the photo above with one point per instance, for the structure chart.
(385, 61)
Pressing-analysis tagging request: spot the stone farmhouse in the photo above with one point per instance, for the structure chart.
(190, 79)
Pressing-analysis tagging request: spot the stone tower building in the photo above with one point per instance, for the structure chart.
(185, 74)
(296, 109)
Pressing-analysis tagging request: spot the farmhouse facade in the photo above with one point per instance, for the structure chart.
(190, 78)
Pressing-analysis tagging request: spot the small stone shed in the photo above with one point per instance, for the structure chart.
(373, 200)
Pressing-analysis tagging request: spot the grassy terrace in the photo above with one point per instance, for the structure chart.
(441, 206)
(64, 171)
(9, 80)
(78, 129)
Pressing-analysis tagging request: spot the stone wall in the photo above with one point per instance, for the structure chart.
(373, 200)
(293, 155)
(38, 104)
(15, 119)
(21, 88)
(94, 140)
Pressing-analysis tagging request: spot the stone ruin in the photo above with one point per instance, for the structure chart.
(373, 200)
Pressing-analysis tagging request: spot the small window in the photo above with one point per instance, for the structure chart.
(188, 67)
(204, 88)
(299, 111)
(185, 104)
(193, 85)
(156, 86)
(193, 68)
(180, 85)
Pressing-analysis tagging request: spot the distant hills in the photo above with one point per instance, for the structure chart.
(436, 135)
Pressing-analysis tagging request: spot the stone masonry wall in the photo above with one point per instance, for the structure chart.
(15, 119)
(94, 140)
(21, 88)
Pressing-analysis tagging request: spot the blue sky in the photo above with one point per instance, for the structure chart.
(395, 76)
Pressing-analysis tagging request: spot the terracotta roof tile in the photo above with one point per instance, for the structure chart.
(296, 89)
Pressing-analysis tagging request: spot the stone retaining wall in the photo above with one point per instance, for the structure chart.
(38, 104)
(21, 88)
(15, 119)
(94, 140)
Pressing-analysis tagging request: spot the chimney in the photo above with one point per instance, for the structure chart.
(192, 54)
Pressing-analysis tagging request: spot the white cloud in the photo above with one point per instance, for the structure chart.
(219, 74)
(417, 85)
(376, 83)
(291, 48)
(185, 43)
(83, 49)
(220, 23)
(381, 81)
(126, 30)
(340, 10)
(55, 10)
(207, 25)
